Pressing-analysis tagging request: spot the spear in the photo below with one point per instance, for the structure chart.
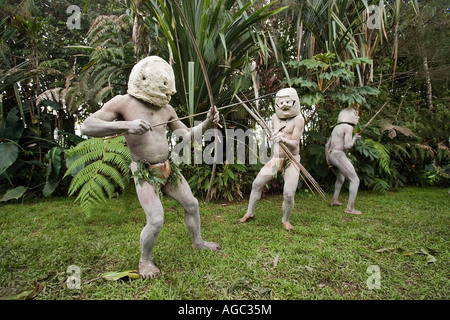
(374, 116)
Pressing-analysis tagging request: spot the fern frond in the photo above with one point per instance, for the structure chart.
(123, 163)
(83, 160)
(393, 129)
(384, 158)
(112, 173)
(105, 166)
(380, 185)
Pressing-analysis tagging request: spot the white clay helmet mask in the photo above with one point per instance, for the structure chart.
(287, 103)
(152, 80)
(348, 115)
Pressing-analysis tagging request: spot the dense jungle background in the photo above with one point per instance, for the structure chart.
(60, 61)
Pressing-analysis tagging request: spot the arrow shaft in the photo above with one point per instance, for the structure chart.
(374, 116)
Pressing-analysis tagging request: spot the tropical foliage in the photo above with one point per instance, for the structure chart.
(335, 53)
(100, 168)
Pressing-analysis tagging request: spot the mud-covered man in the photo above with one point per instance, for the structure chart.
(342, 140)
(287, 128)
(150, 87)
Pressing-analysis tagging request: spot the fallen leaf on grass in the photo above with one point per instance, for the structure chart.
(385, 249)
(27, 294)
(430, 258)
(261, 290)
(275, 261)
(114, 276)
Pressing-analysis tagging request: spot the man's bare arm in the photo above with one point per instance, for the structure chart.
(102, 123)
(350, 141)
(181, 129)
(294, 141)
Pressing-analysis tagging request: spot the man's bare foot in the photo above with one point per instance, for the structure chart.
(213, 246)
(246, 218)
(147, 270)
(335, 203)
(288, 226)
(352, 211)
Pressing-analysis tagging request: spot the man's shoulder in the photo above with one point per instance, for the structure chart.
(343, 128)
(118, 101)
(122, 98)
(299, 117)
(168, 109)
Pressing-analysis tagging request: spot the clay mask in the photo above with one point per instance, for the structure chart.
(152, 80)
(348, 115)
(287, 103)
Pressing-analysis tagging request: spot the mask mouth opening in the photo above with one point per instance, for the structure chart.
(286, 107)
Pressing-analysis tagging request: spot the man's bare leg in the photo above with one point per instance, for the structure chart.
(353, 190)
(263, 177)
(183, 195)
(155, 218)
(291, 176)
(337, 188)
(346, 169)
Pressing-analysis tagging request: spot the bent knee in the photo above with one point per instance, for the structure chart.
(288, 196)
(191, 206)
(354, 180)
(155, 223)
(257, 185)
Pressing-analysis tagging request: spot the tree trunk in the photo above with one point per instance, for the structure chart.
(429, 87)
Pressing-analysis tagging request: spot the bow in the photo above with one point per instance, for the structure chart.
(211, 97)
(384, 105)
(258, 118)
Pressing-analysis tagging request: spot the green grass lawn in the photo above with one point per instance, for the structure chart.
(325, 257)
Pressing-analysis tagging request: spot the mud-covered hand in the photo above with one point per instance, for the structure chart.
(278, 137)
(356, 137)
(139, 127)
(213, 115)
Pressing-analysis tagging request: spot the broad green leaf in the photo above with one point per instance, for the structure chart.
(311, 99)
(50, 187)
(312, 64)
(54, 166)
(367, 90)
(114, 276)
(9, 152)
(12, 127)
(15, 193)
(338, 73)
(304, 82)
(325, 57)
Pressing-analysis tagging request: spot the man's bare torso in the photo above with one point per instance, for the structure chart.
(287, 127)
(340, 137)
(152, 145)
